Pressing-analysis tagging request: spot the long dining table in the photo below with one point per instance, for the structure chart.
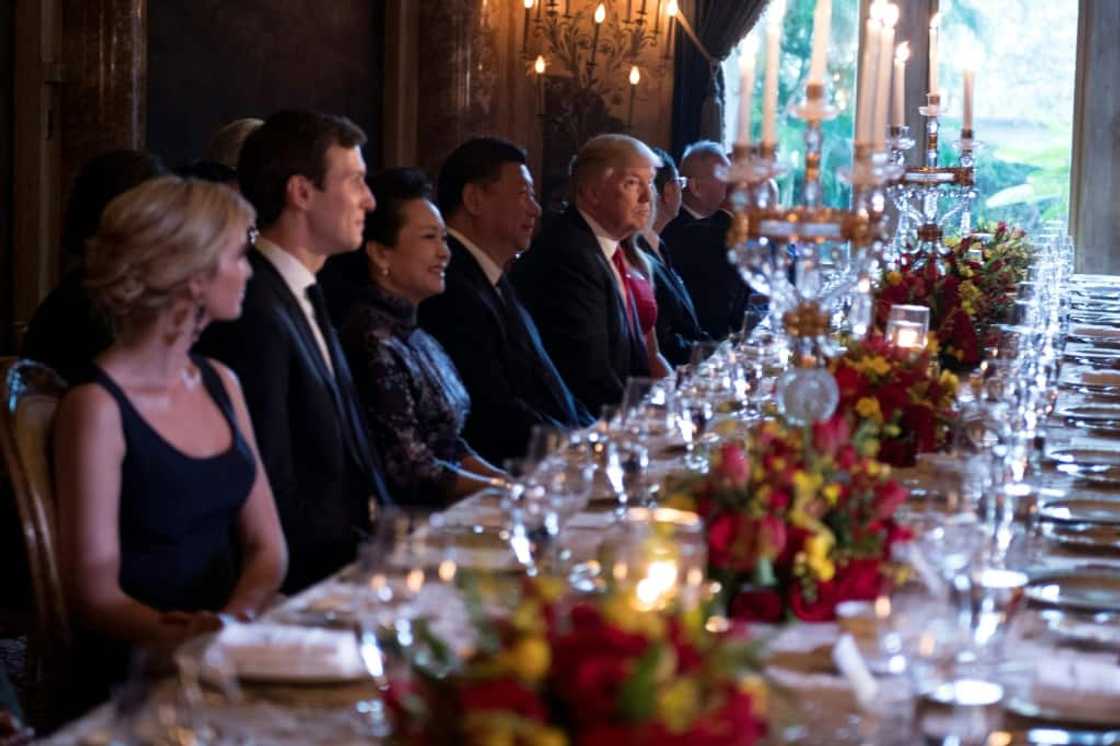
(1070, 635)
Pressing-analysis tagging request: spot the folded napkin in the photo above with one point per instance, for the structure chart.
(1101, 332)
(288, 653)
(1083, 686)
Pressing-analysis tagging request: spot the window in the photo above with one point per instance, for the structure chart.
(797, 39)
(1023, 102)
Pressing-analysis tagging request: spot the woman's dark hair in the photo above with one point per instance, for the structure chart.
(477, 161)
(101, 179)
(392, 188)
(287, 144)
(666, 172)
(218, 173)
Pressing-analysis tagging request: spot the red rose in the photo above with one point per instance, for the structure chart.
(888, 497)
(858, 580)
(822, 609)
(722, 534)
(772, 534)
(757, 605)
(502, 694)
(848, 380)
(779, 500)
(733, 465)
(830, 435)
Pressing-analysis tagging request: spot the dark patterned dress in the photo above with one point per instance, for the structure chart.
(413, 400)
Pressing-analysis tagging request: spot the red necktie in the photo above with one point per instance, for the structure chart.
(620, 265)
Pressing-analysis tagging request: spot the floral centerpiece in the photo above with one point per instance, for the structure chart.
(797, 519)
(973, 292)
(590, 671)
(897, 396)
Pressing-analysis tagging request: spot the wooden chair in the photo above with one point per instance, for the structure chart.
(29, 396)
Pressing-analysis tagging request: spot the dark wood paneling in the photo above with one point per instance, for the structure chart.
(7, 175)
(212, 61)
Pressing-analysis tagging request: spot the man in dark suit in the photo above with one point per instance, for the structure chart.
(704, 167)
(678, 328)
(571, 279)
(304, 174)
(485, 192)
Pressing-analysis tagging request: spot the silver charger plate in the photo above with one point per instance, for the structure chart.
(1090, 456)
(1101, 512)
(1083, 536)
(1086, 588)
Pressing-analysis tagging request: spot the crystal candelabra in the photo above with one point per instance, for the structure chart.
(919, 193)
(782, 252)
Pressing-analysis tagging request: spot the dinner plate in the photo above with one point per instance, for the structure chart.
(1092, 412)
(1083, 535)
(1080, 588)
(1100, 512)
(1098, 473)
(1070, 712)
(1098, 379)
(1087, 456)
(1095, 629)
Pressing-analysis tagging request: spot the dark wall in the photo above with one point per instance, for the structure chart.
(212, 61)
(7, 141)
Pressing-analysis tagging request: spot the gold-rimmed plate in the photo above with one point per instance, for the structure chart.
(1089, 588)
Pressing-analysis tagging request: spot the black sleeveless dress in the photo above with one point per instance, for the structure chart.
(179, 514)
(177, 523)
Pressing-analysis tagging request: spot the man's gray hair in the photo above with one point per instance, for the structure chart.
(702, 151)
(603, 153)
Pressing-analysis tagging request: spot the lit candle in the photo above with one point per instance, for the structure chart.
(966, 106)
(775, 13)
(635, 78)
(883, 68)
(525, 32)
(600, 16)
(882, 607)
(905, 334)
(539, 68)
(934, 39)
(671, 9)
(748, 50)
(822, 21)
(657, 20)
(867, 75)
(901, 54)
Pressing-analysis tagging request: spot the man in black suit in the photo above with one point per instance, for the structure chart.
(304, 174)
(704, 167)
(486, 195)
(571, 279)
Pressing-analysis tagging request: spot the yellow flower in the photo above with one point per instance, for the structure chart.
(527, 617)
(681, 501)
(950, 381)
(933, 346)
(870, 449)
(805, 485)
(817, 548)
(879, 365)
(542, 735)
(892, 430)
(868, 408)
(619, 610)
(529, 659)
(832, 493)
(778, 464)
(678, 704)
(754, 686)
(489, 729)
(894, 277)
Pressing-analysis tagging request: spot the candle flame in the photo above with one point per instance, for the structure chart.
(902, 52)
(601, 13)
(539, 65)
(935, 21)
(635, 75)
(671, 9)
(528, 4)
(882, 607)
(889, 15)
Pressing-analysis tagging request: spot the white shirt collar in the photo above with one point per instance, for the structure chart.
(489, 267)
(296, 276)
(608, 244)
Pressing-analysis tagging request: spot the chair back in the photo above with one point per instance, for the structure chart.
(29, 397)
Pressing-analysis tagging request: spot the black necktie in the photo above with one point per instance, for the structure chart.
(346, 397)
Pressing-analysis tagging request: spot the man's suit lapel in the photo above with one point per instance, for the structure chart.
(465, 263)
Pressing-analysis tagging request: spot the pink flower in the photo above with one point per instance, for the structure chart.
(733, 464)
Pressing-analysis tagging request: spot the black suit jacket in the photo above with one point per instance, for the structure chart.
(570, 289)
(678, 328)
(318, 463)
(671, 233)
(497, 349)
(720, 296)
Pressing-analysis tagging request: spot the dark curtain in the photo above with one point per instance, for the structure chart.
(697, 83)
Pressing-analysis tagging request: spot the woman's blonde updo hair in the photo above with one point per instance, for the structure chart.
(155, 238)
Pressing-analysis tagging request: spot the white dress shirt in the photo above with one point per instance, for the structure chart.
(609, 246)
(490, 268)
(298, 278)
